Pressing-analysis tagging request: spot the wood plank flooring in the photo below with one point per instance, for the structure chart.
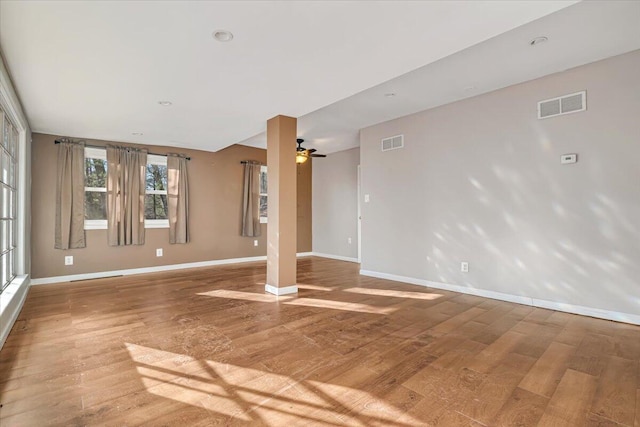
(208, 347)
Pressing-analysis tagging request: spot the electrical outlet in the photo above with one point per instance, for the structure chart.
(464, 267)
(68, 260)
(349, 240)
(159, 252)
(255, 243)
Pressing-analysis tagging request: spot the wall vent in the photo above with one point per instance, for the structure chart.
(566, 104)
(393, 142)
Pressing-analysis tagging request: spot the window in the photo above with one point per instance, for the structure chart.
(156, 211)
(95, 188)
(8, 199)
(263, 194)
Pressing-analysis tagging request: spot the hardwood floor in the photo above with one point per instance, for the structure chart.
(209, 347)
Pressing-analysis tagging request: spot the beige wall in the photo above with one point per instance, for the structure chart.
(304, 200)
(480, 180)
(335, 204)
(215, 184)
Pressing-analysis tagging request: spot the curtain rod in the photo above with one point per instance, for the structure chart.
(251, 162)
(57, 141)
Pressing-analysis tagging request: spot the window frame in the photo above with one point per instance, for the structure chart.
(101, 224)
(154, 159)
(100, 154)
(9, 152)
(264, 219)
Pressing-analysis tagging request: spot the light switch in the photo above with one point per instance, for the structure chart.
(366, 198)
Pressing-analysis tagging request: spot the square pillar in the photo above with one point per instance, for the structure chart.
(281, 200)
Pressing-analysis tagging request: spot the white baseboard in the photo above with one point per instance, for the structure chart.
(155, 269)
(588, 311)
(519, 299)
(281, 291)
(338, 257)
(11, 303)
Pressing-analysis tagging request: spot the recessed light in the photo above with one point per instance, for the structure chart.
(389, 95)
(223, 35)
(137, 133)
(165, 103)
(538, 40)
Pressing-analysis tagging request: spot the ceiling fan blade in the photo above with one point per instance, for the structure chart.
(312, 150)
(318, 155)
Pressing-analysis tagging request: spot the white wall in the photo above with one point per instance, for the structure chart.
(335, 204)
(480, 180)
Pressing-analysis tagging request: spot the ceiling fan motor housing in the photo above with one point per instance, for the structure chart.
(307, 152)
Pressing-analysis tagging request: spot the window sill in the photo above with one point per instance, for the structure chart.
(102, 225)
(11, 290)
(95, 224)
(156, 223)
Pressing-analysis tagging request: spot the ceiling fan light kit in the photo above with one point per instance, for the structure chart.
(301, 158)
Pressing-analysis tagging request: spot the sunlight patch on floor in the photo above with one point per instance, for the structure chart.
(247, 296)
(366, 408)
(253, 395)
(314, 287)
(392, 293)
(316, 302)
(341, 305)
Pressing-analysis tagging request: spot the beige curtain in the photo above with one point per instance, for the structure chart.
(251, 201)
(178, 195)
(70, 196)
(126, 172)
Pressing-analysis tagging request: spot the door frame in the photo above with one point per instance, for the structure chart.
(359, 216)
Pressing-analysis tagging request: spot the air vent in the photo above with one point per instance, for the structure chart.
(566, 104)
(393, 142)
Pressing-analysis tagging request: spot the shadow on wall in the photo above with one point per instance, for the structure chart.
(533, 254)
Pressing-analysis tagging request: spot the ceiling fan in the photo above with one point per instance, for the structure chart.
(302, 154)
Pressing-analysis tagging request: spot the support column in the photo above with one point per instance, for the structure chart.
(281, 199)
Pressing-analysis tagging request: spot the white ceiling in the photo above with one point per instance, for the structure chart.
(98, 69)
(580, 34)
